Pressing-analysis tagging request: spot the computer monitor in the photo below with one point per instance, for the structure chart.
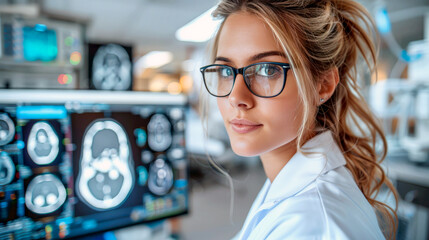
(89, 164)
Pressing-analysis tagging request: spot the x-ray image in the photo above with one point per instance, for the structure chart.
(105, 176)
(160, 177)
(43, 143)
(45, 194)
(7, 169)
(111, 69)
(7, 129)
(159, 133)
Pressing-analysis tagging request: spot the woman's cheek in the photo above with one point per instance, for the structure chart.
(223, 105)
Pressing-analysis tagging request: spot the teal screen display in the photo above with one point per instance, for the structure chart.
(40, 43)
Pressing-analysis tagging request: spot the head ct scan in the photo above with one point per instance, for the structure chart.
(42, 145)
(106, 177)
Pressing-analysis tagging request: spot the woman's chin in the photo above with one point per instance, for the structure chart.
(245, 152)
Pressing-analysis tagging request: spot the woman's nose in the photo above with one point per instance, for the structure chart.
(240, 96)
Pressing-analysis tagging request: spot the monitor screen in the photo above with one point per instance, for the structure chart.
(39, 43)
(69, 172)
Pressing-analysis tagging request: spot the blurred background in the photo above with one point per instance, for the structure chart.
(101, 136)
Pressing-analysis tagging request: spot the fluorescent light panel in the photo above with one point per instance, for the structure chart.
(154, 59)
(201, 29)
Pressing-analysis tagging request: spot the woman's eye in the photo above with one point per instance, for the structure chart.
(225, 72)
(268, 70)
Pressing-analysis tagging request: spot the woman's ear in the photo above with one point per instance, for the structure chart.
(327, 84)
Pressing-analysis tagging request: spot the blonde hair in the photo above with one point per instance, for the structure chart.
(317, 36)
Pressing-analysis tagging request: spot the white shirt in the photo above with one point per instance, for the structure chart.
(313, 197)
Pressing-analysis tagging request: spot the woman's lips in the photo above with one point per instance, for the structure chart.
(244, 126)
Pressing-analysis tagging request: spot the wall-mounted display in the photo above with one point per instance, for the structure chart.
(91, 162)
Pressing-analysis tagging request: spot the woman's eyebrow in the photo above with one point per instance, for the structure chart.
(223, 59)
(255, 57)
(266, 54)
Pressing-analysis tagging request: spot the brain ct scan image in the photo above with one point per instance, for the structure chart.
(7, 169)
(7, 129)
(159, 133)
(43, 143)
(111, 68)
(160, 177)
(45, 194)
(105, 176)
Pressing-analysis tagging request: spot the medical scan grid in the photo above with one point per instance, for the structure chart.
(68, 172)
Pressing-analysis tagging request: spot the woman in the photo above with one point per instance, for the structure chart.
(285, 77)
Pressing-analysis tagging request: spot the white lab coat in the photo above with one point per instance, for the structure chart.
(312, 197)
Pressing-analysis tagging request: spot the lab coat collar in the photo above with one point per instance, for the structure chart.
(302, 169)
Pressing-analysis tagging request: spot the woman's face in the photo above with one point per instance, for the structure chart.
(255, 125)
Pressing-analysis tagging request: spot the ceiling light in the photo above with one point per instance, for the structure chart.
(154, 59)
(200, 29)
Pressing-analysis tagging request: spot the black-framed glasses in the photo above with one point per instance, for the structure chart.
(264, 79)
